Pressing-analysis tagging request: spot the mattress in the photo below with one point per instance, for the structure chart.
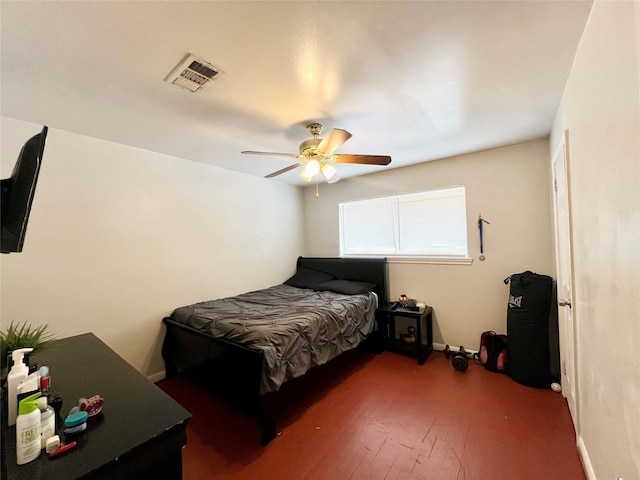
(296, 328)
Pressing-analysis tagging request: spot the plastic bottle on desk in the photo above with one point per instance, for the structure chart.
(28, 386)
(47, 421)
(18, 373)
(28, 442)
(45, 381)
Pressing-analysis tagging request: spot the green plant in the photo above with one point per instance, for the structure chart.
(23, 335)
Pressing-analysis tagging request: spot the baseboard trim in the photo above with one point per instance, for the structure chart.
(156, 377)
(584, 456)
(439, 347)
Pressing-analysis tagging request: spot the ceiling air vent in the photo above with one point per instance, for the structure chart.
(193, 74)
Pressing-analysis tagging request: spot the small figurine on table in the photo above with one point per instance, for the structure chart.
(410, 336)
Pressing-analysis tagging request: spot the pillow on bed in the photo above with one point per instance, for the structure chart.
(346, 287)
(308, 278)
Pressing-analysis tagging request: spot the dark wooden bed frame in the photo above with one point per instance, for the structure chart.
(236, 369)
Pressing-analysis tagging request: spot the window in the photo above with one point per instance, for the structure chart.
(424, 224)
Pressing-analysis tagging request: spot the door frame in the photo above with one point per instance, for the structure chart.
(562, 149)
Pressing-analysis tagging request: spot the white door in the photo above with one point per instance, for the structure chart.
(564, 269)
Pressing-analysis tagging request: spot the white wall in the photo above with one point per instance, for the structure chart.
(119, 236)
(601, 110)
(508, 186)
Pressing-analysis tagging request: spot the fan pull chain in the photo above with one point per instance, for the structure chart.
(317, 192)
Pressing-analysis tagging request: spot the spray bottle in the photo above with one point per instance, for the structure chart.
(45, 380)
(18, 372)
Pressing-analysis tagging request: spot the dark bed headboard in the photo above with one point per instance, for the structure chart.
(372, 270)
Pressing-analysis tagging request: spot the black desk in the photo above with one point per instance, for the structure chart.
(423, 318)
(139, 434)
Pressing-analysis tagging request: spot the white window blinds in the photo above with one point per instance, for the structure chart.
(425, 224)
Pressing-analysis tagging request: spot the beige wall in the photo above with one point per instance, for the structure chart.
(508, 186)
(119, 236)
(601, 110)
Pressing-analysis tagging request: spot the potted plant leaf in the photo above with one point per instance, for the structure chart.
(20, 335)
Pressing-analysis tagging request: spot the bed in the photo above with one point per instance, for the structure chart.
(249, 345)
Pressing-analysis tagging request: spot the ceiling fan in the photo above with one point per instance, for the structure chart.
(316, 155)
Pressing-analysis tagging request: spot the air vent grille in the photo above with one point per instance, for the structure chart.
(193, 74)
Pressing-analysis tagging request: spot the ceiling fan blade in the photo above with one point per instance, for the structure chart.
(292, 155)
(285, 170)
(363, 159)
(333, 140)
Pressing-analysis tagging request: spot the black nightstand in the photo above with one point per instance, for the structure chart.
(423, 320)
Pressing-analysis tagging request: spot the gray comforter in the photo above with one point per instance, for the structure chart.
(296, 328)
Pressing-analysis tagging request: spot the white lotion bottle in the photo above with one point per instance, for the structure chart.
(28, 386)
(18, 373)
(28, 441)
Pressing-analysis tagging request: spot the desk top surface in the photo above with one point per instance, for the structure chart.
(135, 411)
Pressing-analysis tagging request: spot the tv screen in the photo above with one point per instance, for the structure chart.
(17, 194)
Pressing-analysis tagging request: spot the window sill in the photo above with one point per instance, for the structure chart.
(417, 260)
(432, 260)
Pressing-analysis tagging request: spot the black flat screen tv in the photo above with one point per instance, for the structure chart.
(17, 194)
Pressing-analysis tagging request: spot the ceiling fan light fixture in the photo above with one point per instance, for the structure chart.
(305, 177)
(329, 172)
(310, 170)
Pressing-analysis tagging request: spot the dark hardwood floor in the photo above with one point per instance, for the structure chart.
(367, 416)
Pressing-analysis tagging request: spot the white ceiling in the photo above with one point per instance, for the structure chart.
(415, 80)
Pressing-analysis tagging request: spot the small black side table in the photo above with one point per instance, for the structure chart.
(139, 434)
(386, 317)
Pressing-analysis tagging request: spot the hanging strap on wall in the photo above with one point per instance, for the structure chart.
(480, 221)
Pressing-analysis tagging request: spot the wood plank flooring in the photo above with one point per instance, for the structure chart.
(367, 416)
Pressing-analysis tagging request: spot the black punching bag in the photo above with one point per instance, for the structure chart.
(532, 330)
